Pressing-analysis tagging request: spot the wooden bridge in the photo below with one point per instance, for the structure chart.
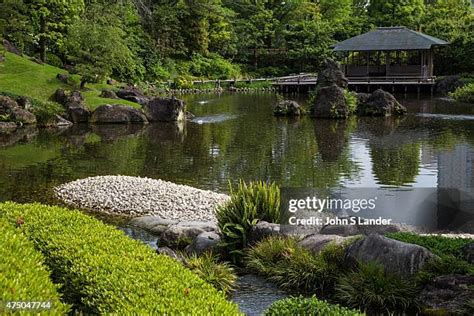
(308, 81)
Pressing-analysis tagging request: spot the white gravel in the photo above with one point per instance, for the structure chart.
(135, 196)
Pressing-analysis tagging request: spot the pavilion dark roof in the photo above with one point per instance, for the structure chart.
(389, 38)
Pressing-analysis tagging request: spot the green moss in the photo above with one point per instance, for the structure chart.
(103, 271)
(439, 245)
(23, 276)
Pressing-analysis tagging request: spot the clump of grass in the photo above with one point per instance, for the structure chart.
(307, 306)
(369, 287)
(443, 266)
(45, 111)
(219, 274)
(249, 204)
(289, 265)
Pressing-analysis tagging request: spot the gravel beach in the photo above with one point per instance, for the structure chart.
(135, 196)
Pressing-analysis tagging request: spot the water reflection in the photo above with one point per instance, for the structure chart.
(242, 140)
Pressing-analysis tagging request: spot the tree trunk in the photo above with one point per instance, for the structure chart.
(83, 84)
(42, 41)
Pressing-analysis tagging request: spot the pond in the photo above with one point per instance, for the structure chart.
(235, 136)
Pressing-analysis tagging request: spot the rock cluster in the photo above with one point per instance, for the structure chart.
(194, 237)
(117, 114)
(288, 108)
(165, 110)
(73, 102)
(379, 103)
(135, 196)
(330, 101)
(10, 111)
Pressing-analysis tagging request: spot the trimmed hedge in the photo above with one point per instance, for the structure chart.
(103, 271)
(307, 306)
(23, 277)
(439, 245)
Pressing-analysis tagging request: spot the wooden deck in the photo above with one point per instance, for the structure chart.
(308, 81)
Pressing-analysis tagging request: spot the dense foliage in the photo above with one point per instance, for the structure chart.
(23, 276)
(139, 40)
(289, 265)
(103, 271)
(249, 204)
(369, 287)
(307, 306)
(464, 94)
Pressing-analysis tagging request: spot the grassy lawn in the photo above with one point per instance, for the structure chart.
(21, 76)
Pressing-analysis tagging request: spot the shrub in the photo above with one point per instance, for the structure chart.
(249, 203)
(370, 288)
(219, 275)
(103, 271)
(351, 100)
(289, 265)
(439, 245)
(307, 306)
(443, 266)
(45, 111)
(464, 94)
(23, 277)
(213, 67)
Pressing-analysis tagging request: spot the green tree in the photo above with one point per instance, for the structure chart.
(407, 13)
(97, 47)
(50, 19)
(453, 21)
(15, 25)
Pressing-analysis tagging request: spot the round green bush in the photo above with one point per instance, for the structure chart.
(307, 306)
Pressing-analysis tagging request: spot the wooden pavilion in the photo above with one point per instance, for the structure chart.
(389, 54)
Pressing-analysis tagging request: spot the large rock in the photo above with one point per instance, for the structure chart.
(165, 110)
(117, 114)
(330, 103)
(22, 116)
(468, 252)
(9, 47)
(168, 252)
(447, 84)
(204, 242)
(447, 294)
(395, 256)
(316, 242)
(182, 234)
(331, 74)
(14, 113)
(7, 127)
(108, 94)
(288, 108)
(380, 103)
(7, 104)
(133, 94)
(73, 102)
(352, 230)
(153, 224)
(263, 230)
(63, 78)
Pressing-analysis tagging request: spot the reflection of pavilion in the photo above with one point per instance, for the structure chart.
(456, 174)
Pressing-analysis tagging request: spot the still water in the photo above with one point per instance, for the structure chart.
(235, 136)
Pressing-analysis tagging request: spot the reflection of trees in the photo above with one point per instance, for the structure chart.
(397, 165)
